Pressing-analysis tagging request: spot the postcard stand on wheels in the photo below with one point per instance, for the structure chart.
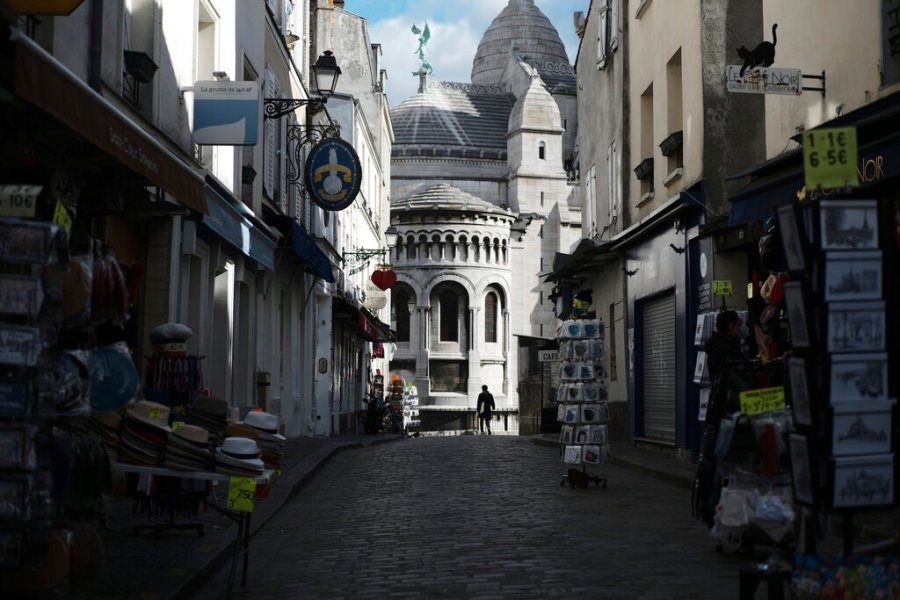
(582, 398)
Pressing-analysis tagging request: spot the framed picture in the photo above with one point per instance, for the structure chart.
(571, 413)
(799, 391)
(581, 434)
(572, 455)
(801, 469)
(857, 378)
(566, 433)
(862, 481)
(591, 455)
(590, 413)
(861, 428)
(700, 371)
(856, 326)
(796, 312)
(848, 224)
(791, 238)
(853, 275)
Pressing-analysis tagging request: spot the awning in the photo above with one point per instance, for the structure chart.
(303, 246)
(232, 221)
(587, 255)
(46, 83)
(370, 327)
(780, 180)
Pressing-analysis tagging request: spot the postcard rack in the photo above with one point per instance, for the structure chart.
(838, 371)
(582, 401)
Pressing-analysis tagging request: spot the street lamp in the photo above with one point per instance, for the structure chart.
(325, 75)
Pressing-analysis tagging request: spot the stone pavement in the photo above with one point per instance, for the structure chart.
(177, 564)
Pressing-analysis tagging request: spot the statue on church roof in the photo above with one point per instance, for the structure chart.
(424, 35)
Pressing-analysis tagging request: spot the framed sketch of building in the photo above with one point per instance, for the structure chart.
(799, 391)
(791, 238)
(801, 469)
(857, 378)
(853, 275)
(861, 428)
(848, 224)
(863, 481)
(796, 312)
(855, 326)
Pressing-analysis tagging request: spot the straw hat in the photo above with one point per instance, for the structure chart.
(240, 452)
(264, 422)
(150, 413)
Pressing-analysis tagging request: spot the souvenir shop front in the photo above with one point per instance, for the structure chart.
(811, 418)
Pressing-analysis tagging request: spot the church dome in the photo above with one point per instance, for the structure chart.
(448, 199)
(522, 27)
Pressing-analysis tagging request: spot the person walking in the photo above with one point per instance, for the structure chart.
(484, 408)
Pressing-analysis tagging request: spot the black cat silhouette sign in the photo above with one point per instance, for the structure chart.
(756, 74)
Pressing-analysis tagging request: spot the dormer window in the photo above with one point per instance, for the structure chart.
(542, 151)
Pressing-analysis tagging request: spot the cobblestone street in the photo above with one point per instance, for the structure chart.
(480, 517)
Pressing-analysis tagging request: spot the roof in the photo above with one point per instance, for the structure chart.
(444, 197)
(459, 116)
(520, 27)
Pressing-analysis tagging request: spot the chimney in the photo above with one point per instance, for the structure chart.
(423, 80)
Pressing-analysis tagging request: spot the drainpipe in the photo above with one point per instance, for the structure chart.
(96, 45)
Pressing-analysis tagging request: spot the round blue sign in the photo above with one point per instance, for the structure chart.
(333, 174)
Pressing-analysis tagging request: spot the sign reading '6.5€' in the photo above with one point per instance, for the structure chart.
(829, 158)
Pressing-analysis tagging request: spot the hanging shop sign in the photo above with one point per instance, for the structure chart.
(333, 174)
(376, 298)
(764, 80)
(384, 277)
(226, 113)
(19, 200)
(830, 158)
(548, 355)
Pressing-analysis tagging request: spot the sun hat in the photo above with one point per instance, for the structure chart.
(114, 379)
(150, 413)
(192, 433)
(264, 422)
(240, 451)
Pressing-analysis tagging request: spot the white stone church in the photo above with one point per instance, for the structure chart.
(482, 198)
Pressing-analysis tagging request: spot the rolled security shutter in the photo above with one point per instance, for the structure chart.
(658, 336)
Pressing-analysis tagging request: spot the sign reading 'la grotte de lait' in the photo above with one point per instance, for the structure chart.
(333, 174)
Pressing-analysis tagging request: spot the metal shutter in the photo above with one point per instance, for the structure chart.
(658, 338)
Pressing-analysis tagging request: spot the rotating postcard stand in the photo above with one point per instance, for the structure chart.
(582, 400)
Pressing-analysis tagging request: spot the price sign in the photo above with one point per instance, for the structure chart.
(241, 493)
(61, 216)
(829, 158)
(754, 402)
(19, 200)
(722, 287)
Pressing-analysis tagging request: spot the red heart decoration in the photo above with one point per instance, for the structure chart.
(384, 279)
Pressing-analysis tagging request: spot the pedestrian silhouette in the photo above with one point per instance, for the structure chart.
(484, 408)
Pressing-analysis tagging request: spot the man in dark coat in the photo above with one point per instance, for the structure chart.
(724, 344)
(484, 408)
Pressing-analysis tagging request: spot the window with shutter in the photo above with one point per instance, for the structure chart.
(612, 179)
(591, 208)
(602, 34)
(271, 127)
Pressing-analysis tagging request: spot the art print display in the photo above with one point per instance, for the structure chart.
(572, 455)
(858, 378)
(861, 428)
(863, 481)
(848, 224)
(856, 326)
(801, 469)
(799, 390)
(853, 276)
(791, 238)
(795, 303)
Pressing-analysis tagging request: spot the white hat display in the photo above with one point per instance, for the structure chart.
(239, 452)
(265, 423)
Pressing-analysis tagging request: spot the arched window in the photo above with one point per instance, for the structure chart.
(449, 317)
(401, 310)
(542, 150)
(490, 318)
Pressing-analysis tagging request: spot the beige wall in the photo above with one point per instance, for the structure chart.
(656, 36)
(839, 37)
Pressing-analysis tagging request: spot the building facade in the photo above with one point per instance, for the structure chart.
(481, 202)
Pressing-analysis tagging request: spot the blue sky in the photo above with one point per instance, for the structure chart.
(456, 28)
